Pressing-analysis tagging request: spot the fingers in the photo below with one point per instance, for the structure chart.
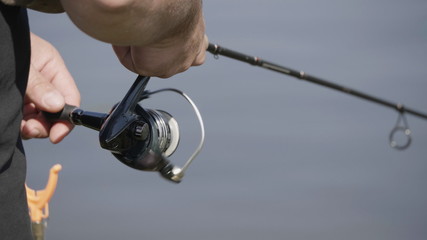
(33, 124)
(160, 62)
(42, 93)
(47, 66)
(163, 61)
(50, 86)
(59, 131)
(201, 56)
(123, 53)
(48, 95)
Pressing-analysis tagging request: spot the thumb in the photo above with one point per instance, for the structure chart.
(42, 93)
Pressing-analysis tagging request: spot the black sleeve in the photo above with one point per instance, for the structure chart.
(14, 67)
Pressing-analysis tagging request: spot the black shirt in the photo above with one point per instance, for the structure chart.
(14, 68)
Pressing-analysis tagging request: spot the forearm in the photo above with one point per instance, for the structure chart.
(135, 22)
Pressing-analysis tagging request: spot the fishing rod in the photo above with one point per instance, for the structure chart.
(144, 139)
(217, 50)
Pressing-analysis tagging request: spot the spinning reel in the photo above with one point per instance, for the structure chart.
(140, 138)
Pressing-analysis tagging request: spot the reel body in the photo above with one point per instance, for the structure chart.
(146, 141)
(140, 138)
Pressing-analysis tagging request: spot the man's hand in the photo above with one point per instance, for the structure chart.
(157, 38)
(166, 58)
(50, 86)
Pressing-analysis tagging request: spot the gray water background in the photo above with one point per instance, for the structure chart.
(284, 159)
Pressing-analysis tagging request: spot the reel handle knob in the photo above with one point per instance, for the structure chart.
(77, 116)
(63, 115)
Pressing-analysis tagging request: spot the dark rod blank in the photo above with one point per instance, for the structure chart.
(218, 50)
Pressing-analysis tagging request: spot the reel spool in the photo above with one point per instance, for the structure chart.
(140, 138)
(168, 131)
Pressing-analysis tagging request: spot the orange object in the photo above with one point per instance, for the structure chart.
(38, 201)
